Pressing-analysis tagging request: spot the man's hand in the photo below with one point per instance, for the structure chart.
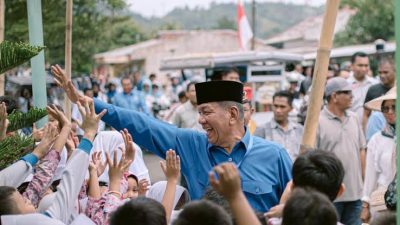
(59, 116)
(365, 214)
(65, 83)
(90, 118)
(228, 182)
(50, 134)
(172, 166)
(3, 121)
(129, 148)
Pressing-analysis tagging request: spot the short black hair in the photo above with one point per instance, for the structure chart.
(358, 54)
(320, 170)
(203, 212)
(181, 94)
(229, 70)
(7, 204)
(190, 84)
(11, 104)
(284, 94)
(220, 72)
(211, 195)
(126, 78)
(385, 218)
(133, 177)
(140, 210)
(308, 207)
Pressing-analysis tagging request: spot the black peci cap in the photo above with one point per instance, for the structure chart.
(218, 91)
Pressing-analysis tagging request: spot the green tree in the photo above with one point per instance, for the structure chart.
(225, 23)
(94, 24)
(374, 19)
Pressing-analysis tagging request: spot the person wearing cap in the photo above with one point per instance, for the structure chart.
(265, 167)
(380, 163)
(339, 131)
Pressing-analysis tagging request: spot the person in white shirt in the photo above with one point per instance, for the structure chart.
(380, 163)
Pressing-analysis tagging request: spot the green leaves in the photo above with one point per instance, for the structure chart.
(13, 54)
(14, 147)
(20, 120)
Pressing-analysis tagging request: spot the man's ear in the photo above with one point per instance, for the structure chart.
(342, 189)
(234, 115)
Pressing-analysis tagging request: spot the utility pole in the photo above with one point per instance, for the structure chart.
(253, 24)
(37, 62)
(2, 16)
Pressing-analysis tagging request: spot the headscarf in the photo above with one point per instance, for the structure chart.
(157, 190)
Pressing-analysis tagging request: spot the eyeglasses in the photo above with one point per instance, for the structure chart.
(343, 92)
(386, 109)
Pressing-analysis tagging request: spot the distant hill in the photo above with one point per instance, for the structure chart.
(272, 18)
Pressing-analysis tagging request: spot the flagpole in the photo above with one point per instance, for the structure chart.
(2, 13)
(253, 24)
(68, 53)
(397, 35)
(319, 78)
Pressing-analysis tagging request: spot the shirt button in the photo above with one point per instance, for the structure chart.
(257, 190)
(230, 159)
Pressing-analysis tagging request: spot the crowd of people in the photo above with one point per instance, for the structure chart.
(220, 166)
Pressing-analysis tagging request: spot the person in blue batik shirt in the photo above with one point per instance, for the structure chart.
(130, 98)
(265, 167)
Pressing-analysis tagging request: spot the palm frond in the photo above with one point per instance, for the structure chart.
(13, 54)
(19, 120)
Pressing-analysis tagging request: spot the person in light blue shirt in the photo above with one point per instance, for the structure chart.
(376, 122)
(265, 167)
(130, 98)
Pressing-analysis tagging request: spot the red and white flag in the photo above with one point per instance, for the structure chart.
(244, 29)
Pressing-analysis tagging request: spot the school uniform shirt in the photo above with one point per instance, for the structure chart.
(264, 166)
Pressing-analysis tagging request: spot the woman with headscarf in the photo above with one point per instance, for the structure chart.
(381, 155)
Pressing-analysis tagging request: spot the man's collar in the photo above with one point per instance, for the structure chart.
(331, 115)
(275, 125)
(245, 140)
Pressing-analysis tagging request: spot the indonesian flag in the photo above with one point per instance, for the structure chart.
(244, 29)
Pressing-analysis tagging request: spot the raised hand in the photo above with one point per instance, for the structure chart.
(116, 170)
(129, 148)
(90, 118)
(58, 115)
(50, 134)
(98, 163)
(143, 187)
(65, 83)
(171, 166)
(3, 121)
(228, 182)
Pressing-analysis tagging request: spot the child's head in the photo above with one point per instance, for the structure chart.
(321, 171)
(203, 212)
(12, 202)
(139, 211)
(133, 186)
(308, 207)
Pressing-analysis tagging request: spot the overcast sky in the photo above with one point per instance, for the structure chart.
(161, 7)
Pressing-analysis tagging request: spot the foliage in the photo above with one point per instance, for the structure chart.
(13, 54)
(14, 147)
(98, 25)
(19, 120)
(373, 20)
(271, 17)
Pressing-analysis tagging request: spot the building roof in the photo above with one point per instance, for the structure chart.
(126, 54)
(348, 51)
(310, 28)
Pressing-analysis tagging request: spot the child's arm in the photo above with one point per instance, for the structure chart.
(228, 185)
(172, 169)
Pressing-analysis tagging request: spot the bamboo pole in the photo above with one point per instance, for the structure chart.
(37, 62)
(2, 17)
(68, 51)
(397, 32)
(319, 77)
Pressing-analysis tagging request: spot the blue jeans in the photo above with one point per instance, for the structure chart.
(349, 212)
